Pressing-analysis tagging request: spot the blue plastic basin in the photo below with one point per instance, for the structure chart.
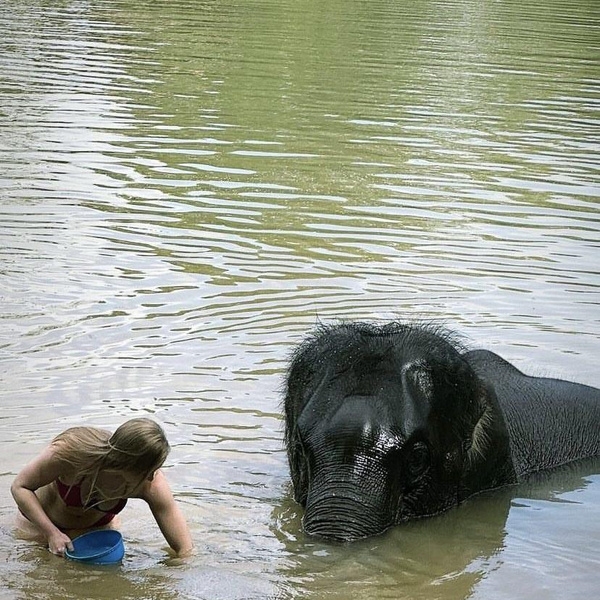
(101, 547)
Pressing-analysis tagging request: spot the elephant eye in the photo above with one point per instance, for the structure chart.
(418, 460)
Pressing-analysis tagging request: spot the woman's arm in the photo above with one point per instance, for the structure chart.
(168, 515)
(41, 471)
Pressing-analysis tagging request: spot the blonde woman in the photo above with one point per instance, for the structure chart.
(83, 479)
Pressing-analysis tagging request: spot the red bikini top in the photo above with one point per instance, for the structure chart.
(71, 496)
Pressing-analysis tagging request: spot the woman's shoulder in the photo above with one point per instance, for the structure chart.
(46, 467)
(54, 456)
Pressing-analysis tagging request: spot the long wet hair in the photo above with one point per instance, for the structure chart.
(138, 446)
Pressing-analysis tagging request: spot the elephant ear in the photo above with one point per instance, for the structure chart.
(306, 378)
(295, 451)
(298, 469)
(487, 460)
(464, 410)
(300, 389)
(478, 443)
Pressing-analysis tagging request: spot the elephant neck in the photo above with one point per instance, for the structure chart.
(549, 422)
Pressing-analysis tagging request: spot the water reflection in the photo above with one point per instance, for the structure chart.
(188, 187)
(455, 555)
(46, 577)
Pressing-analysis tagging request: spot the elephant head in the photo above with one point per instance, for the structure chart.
(385, 424)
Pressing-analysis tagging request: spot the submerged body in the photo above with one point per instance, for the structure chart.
(389, 423)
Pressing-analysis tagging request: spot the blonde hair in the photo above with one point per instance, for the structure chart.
(138, 446)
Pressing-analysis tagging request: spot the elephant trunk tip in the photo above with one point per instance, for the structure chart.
(342, 530)
(334, 534)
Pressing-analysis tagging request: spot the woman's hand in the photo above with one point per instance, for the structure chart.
(59, 542)
(169, 517)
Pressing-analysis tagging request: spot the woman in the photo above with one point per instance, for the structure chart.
(83, 479)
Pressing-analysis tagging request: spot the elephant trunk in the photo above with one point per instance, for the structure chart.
(337, 512)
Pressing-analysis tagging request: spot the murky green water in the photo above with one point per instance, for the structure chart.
(187, 187)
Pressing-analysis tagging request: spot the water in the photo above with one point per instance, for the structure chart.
(187, 187)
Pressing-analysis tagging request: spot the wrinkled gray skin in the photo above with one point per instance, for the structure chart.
(390, 423)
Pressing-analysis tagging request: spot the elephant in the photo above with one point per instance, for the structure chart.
(390, 422)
